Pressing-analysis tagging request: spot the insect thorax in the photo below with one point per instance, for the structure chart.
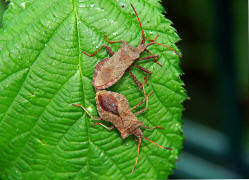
(128, 52)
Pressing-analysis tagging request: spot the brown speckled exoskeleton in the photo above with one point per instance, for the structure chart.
(114, 107)
(110, 70)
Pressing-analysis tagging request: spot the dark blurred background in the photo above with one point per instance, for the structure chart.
(215, 64)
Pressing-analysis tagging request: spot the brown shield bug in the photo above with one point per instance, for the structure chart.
(110, 70)
(114, 107)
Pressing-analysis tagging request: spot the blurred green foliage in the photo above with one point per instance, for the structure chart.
(195, 21)
(197, 24)
(240, 44)
(240, 47)
(2, 8)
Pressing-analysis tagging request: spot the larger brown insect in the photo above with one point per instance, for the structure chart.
(114, 107)
(110, 70)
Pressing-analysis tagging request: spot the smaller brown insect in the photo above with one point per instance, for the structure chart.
(108, 71)
(114, 107)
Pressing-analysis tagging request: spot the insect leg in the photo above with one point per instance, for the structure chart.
(109, 41)
(148, 51)
(109, 128)
(108, 49)
(141, 102)
(146, 97)
(164, 46)
(139, 84)
(145, 70)
(135, 138)
(141, 111)
(97, 119)
(156, 127)
(152, 40)
(138, 146)
(155, 57)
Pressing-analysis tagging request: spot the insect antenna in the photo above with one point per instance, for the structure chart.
(156, 144)
(143, 38)
(164, 46)
(138, 146)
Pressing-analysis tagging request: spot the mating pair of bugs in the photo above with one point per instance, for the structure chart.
(114, 107)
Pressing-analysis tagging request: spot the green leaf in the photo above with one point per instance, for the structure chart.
(43, 72)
